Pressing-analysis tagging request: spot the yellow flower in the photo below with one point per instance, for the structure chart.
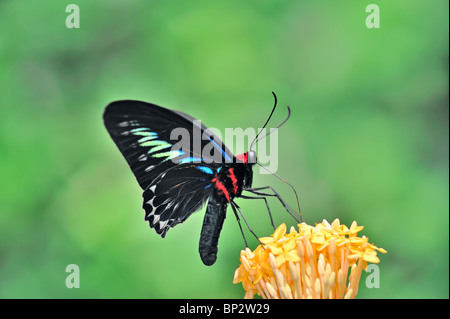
(313, 262)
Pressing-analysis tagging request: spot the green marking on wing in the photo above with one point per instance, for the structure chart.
(147, 138)
(140, 129)
(143, 133)
(169, 155)
(157, 146)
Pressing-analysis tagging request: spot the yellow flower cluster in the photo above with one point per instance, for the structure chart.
(313, 262)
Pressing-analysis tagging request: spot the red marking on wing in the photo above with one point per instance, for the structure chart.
(222, 188)
(233, 179)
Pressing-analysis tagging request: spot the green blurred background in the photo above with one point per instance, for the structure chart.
(367, 140)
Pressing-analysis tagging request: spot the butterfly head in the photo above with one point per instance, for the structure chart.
(248, 157)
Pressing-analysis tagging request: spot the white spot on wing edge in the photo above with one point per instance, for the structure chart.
(142, 158)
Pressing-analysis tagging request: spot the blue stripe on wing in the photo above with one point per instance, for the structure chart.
(205, 169)
(190, 160)
(227, 157)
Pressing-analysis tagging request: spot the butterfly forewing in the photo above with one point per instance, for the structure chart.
(142, 132)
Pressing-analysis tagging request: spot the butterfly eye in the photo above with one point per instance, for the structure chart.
(251, 157)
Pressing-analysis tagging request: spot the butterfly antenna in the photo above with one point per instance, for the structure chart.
(282, 179)
(271, 113)
(276, 128)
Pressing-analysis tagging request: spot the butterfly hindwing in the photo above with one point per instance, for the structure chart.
(174, 195)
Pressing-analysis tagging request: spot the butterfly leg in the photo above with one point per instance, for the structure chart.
(267, 205)
(242, 215)
(239, 223)
(257, 190)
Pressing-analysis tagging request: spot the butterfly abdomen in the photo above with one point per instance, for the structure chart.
(212, 225)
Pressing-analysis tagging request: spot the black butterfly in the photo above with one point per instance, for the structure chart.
(179, 177)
